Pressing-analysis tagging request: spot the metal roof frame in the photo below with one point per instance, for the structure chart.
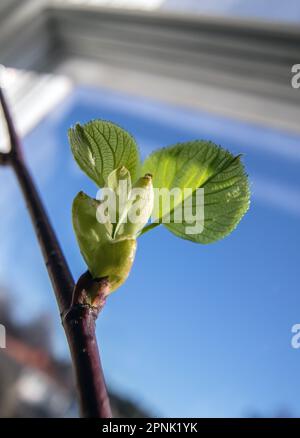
(233, 67)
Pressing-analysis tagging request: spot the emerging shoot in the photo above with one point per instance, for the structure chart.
(198, 190)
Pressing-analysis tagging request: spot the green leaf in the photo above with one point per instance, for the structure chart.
(201, 164)
(99, 147)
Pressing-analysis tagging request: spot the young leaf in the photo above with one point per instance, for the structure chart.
(119, 184)
(201, 164)
(104, 256)
(139, 208)
(99, 147)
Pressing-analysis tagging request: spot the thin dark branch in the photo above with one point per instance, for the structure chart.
(13, 137)
(78, 319)
(4, 158)
(56, 264)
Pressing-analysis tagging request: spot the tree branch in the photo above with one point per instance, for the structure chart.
(78, 316)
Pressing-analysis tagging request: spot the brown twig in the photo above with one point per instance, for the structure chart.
(78, 316)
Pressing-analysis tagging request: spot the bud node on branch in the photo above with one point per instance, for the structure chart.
(90, 292)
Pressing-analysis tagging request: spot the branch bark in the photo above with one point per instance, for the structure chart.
(78, 316)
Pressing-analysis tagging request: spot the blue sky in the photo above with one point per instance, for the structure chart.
(276, 10)
(196, 330)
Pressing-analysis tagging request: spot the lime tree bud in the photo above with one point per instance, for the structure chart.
(113, 259)
(104, 256)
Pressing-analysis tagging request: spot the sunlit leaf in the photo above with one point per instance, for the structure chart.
(99, 147)
(201, 164)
